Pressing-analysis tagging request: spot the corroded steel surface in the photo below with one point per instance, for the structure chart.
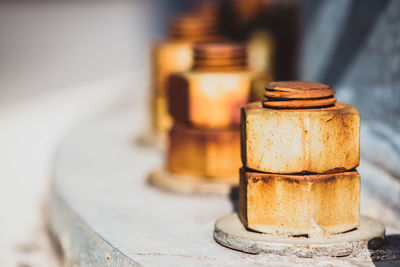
(312, 204)
(300, 140)
(298, 95)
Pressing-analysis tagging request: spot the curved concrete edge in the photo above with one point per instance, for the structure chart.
(81, 246)
(230, 233)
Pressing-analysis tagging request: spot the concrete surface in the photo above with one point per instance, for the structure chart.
(30, 131)
(104, 213)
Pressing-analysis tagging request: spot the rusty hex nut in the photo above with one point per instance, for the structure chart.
(209, 99)
(299, 204)
(300, 140)
(175, 54)
(204, 152)
(211, 94)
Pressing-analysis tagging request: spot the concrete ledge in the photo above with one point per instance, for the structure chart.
(104, 213)
(81, 245)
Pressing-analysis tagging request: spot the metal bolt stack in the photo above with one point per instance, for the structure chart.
(205, 105)
(299, 151)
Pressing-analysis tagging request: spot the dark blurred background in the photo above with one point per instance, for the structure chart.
(355, 47)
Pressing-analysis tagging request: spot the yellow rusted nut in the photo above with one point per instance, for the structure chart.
(175, 55)
(212, 94)
(210, 153)
(299, 204)
(209, 99)
(288, 134)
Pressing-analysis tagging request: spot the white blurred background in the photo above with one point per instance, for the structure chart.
(48, 45)
(61, 62)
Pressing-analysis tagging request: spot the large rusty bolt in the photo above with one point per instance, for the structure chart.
(213, 153)
(299, 204)
(300, 128)
(211, 94)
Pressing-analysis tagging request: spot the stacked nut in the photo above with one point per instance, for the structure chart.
(175, 55)
(205, 105)
(299, 152)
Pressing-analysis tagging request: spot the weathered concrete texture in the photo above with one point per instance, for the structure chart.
(81, 245)
(105, 214)
(188, 184)
(30, 132)
(230, 232)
